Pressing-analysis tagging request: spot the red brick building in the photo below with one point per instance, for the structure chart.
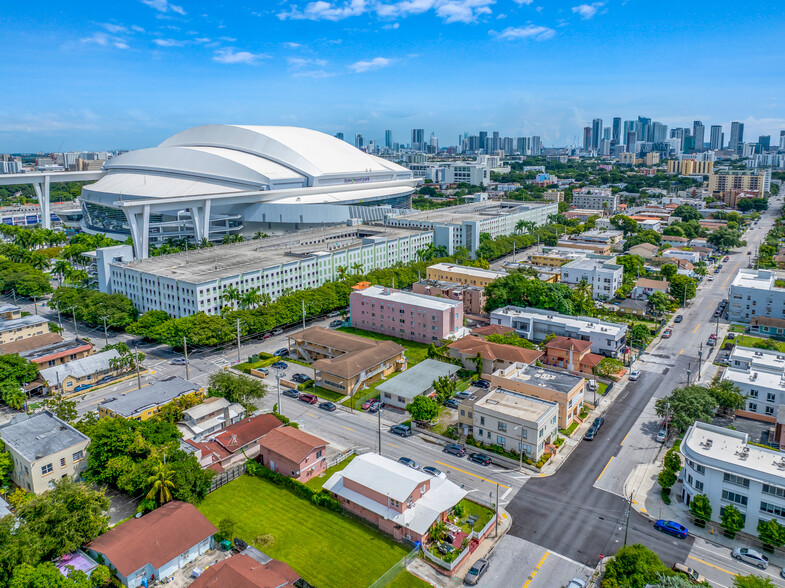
(294, 453)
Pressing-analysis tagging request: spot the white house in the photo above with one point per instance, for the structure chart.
(760, 375)
(600, 271)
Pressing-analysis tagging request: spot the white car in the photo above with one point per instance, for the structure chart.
(751, 556)
(634, 375)
(661, 436)
(576, 583)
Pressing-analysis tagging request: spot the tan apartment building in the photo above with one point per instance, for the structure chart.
(741, 180)
(78, 375)
(462, 274)
(44, 449)
(495, 356)
(564, 389)
(689, 167)
(473, 297)
(10, 311)
(554, 195)
(23, 327)
(557, 257)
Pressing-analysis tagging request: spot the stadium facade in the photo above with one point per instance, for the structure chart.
(215, 180)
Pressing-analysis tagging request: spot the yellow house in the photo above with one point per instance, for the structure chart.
(461, 274)
(146, 402)
(78, 375)
(22, 327)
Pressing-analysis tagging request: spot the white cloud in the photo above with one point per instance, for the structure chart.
(316, 74)
(321, 10)
(290, 45)
(202, 39)
(299, 62)
(105, 40)
(391, 27)
(524, 2)
(449, 10)
(231, 56)
(375, 63)
(164, 6)
(227, 39)
(534, 32)
(137, 28)
(114, 28)
(168, 42)
(588, 11)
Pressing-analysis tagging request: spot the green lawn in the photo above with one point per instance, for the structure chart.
(325, 394)
(601, 388)
(407, 580)
(415, 352)
(483, 513)
(569, 430)
(749, 341)
(316, 483)
(328, 549)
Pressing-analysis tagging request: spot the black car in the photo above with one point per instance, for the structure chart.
(455, 449)
(106, 379)
(452, 403)
(280, 365)
(301, 378)
(480, 459)
(678, 318)
(591, 433)
(328, 406)
(483, 384)
(282, 352)
(598, 422)
(401, 430)
(409, 462)
(291, 393)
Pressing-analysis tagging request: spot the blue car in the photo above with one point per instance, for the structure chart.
(672, 528)
(82, 387)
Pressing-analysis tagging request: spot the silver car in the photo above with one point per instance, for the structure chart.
(576, 583)
(477, 570)
(751, 556)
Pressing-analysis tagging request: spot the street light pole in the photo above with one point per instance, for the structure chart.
(106, 331)
(278, 379)
(136, 363)
(380, 430)
(238, 340)
(185, 351)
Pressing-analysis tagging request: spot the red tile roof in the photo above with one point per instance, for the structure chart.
(292, 444)
(470, 345)
(567, 343)
(156, 538)
(236, 436)
(592, 359)
(243, 571)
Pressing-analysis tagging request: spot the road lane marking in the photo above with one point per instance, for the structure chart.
(471, 474)
(625, 438)
(731, 275)
(603, 469)
(695, 330)
(350, 429)
(682, 351)
(506, 493)
(712, 565)
(536, 569)
(392, 445)
(310, 414)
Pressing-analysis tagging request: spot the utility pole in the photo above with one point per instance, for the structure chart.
(380, 430)
(13, 293)
(689, 372)
(59, 320)
(278, 379)
(303, 301)
(627, 525)
(700, 357)
(106, 331)
(185, 351)
(496, 526)
(238, 340)
(520, 451)
(73, 314)
(35, 305)
(136, 363)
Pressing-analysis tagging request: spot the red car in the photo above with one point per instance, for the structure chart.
(367, 404)
(727, 258)
(309, 398)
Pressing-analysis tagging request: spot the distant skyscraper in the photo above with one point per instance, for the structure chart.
(339, 135)
(587, 143)
(632, 138)
(658, 132)
(596, 133)
(698, 133)
(715, 140)
(642, 127)
(782, 140)
(606, 133)
(508, 144)
(616, 133)
(418, 136)
(736, 136)
(495, 141)
(434, 144)
(765, 142)
(536, 145)
(473, 143)
(358, 141)
(605, 147)
(483, 139)
(388, 139)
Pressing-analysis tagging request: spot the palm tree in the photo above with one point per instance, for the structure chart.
(461, 255)
(77, 276)
(61, 269)
(231, 294)
(341, 271)
(440, 251)
(37, 259)
(251, 298)
(161, 484)
(357, 268)
(14, 396)
(478, 363)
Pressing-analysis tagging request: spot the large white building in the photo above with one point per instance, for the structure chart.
(760, 375)
(462, 225)
(213, 180)
(453, 172)
(600, 271)
(535, 324)
(755, 293)
(186, 283)
(596, 199)
(729, 470)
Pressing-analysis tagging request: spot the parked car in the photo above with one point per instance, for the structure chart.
(106, 379)
(367, 404)
(666, 334)
(177, 361)
(634, 375)
(452, 403)
(749, 252)
(481, 459)
(661, 436)
(409, 462)
(750, 556)
(282, 352)
(402, 430)
(711, 342)
(591, 433)
(462, 395)
(727, 258)
(475, 572)
(336, 323)
(375, 407)
(483, 384)
(432, 471)
(576, 583)
(678, 318)
(717, 269)
(309, 398)
(264, 370)
(455, 449)
(333, 313)
(290, 392)
(266, 336)
(280, 365)
(598, 422)
(301, 378)
(693, 575)
(711, 278)
(328, 406)
(81, 387)
(672, 528)
(277, 331)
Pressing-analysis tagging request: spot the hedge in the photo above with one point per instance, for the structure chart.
(318, 498)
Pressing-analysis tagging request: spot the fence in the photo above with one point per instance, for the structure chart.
(227, 476)
(345, 455)
(397, 569)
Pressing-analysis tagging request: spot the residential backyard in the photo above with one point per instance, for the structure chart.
(415, 352)
(328, 549)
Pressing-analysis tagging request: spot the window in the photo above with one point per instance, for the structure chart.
(500, 440)
(770, 397)
(698, 485)
(47, 469)
(734, 479)
(769, 410)
(698, 468)
(734, 497)
(774, 490)
(318, 454)
(774, 509)
(62, 462)
(482, 420)
(753, 393)
(502, 427)
(752, 407)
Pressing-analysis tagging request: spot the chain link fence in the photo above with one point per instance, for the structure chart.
(396, 570)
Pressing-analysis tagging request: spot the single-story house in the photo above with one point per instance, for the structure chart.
(635, 307)
(293, 453)
(768, 326)
(234, 444)
(416, 381)
(674, 241)
(249, 569)
(399, 500)
(495, 356)
(645, 287)
(645, 250)
(48, 350)
(156, 545)
(80, 374)
(146, 402)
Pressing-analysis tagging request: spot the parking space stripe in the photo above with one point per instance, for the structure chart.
(447, 465)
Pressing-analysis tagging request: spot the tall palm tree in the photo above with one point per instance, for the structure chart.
(77, 276)
(357, 268)
(230, 295)
(161, 484)
(477, 359)
(60, 269)
(341, 271)
(251, 298)
(440, 251)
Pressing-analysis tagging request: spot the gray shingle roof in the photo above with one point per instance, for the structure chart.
(156, 394)
(79, 368)
(25, 321)
(417, 379)
(36, 436)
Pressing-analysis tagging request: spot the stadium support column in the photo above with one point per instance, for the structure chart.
(200, 215)
(139, 222)
(42, 193)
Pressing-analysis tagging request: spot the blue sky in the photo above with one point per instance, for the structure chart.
(128, 74)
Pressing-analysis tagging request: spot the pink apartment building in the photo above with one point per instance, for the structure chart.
(415, 317)
(399, 500)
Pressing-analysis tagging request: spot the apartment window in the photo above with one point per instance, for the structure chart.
(482, 420)
(752, 407)
(774, 490)
(770, 397)
(698, 468)
(774, 509)
(394, 503)
(737, 480)
(734, 497)
(318, 454)
(753, 393)
(501, 427)
(47, 469)
(500, 440)
(769, 410)
(62, 462)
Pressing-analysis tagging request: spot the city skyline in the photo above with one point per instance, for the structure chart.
(130, 78)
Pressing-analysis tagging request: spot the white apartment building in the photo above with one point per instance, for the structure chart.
(760, 375)
(600, 271)
(596, 199)
(515, 421)
(608, 339)
(453, 172)
(190, 282)
(461, 226)
(754, 293)
(724, 466)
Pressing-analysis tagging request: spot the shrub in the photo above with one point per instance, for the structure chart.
(226, 529)
(732, 521)
(318, 498)
(458, 510)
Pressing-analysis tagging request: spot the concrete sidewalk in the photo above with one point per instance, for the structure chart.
(425, 571)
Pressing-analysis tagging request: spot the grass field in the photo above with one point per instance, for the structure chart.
(328, 549)
(325, 394)
(406, 580)
(316, 483)
(415, 352)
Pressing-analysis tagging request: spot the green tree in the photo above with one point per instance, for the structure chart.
(226, 529)
(668, 270)
(700, 507)
(423, 409)
(660, 301)
(766, 344)
(686, 405)
(6, 467)
(61, 407)
(727, 395)
(147, 324)
(101, 576)
(236, 388)
(687, 212)
(47, 575)
(752, 582)
(445, 388)
(634, 566)
(680, 581)
(666, 479)
(725, 239)
(12, 395)
(510, 339)
(625, 223)
(681, 286)
(639, 334)
(732, 520)
(634, 265)
(771, 533)
(17, 369)
(477, 359)
(672, 461)
(161, 484)
(608, 367)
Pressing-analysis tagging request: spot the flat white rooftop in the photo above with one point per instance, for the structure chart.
(516, 406)
(757, 279)
(423, 300)
(467, 270)
(773, 361)
(582, 323)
